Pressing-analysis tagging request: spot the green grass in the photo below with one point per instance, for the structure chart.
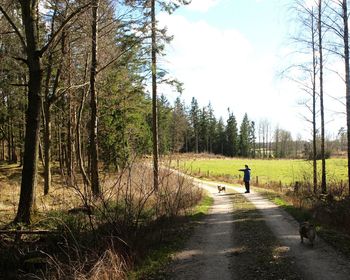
(285, 171)
(155, 263)
(202, 208)
(299, 214)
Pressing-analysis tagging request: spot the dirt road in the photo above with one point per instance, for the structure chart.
(208, 253)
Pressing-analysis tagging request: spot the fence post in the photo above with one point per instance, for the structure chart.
(257, 180)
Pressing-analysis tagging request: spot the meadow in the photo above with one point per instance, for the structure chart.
(284, 171)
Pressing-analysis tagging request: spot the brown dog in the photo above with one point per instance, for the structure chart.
(220, 188)
(308, 231)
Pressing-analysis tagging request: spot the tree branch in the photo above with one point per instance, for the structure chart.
(19, 85)
(20, 59)
(116, 58)
(61, 91)
(15, 29)
(65, 22)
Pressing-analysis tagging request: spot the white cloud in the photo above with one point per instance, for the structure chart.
(224, 68)
(219, 66)
(202, 5)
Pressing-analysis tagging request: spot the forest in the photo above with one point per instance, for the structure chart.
(80, 112)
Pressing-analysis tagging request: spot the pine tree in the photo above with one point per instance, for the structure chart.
(231, 146)
(178, 126)
(220, 138)
(194, 121)
(252, 140)
(244, 141)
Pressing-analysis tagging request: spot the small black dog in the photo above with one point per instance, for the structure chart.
(307, 230)
(220, 188)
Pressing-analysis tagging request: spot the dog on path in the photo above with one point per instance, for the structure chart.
(307, 230)
(221, 188)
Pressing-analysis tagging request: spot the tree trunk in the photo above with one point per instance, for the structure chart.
(47, 148)
(70, 138)
(8, 138)
(13, 145)
(59, 143)
(47, 128)
(154, 100)
(70, 134)
(20, 135)
(314, 129)
(347, 79)
(323, 179)
(28, 184)
(78, 132)
(79, 148)
(3, 150)
(95, 184)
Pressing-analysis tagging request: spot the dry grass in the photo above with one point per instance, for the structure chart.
(60, 197)
(126, 220)
(108, 266)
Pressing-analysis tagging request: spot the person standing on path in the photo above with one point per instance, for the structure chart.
(246, 178)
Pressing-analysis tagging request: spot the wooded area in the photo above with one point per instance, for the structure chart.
(78, 94)
(74, 90)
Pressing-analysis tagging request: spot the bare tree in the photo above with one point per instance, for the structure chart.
(320, 51)
(308, 17)
(347, 77)
(313, 80)
(342, 31)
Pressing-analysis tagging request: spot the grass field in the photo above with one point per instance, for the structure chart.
(284, 171)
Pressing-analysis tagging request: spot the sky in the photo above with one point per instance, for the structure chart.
(231, 53)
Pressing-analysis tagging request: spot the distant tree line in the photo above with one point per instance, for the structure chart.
(191, 129)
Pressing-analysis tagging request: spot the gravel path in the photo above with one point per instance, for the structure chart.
(208, 253)
(318, 262)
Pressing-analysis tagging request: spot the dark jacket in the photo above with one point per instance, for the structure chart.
(246, 177)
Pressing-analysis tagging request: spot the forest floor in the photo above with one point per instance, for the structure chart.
(245, 236)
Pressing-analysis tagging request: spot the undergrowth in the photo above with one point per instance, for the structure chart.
(128, 227)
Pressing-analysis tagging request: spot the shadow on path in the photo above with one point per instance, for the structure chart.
(318, 262)
(207, 254)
